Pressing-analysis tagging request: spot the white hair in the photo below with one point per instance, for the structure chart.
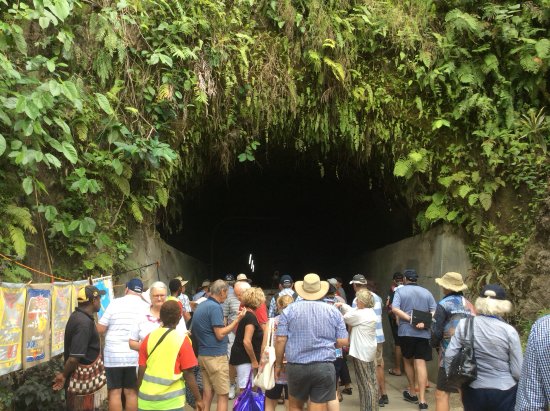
(241, 287)
(492, 306)
(217, 287)
(159, 285)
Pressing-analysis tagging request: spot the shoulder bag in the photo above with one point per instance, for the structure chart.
(265, 379)
(463, 369)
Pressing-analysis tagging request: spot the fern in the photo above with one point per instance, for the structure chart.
(121, 183)
(20, 216)
(162, 196)
(136, 211)
(18, 240)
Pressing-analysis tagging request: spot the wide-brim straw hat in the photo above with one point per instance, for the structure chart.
(312, 288)
(452, 281)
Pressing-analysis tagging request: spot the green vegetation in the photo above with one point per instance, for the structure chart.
(108, 108)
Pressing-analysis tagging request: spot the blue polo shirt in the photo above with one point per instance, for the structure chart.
(209, 314)
(407, 298)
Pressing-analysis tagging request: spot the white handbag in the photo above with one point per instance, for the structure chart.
(265, 379)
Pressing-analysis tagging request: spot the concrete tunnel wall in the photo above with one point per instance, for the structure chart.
(431, 254)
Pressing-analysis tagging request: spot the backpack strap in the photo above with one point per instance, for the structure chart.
(160, 340)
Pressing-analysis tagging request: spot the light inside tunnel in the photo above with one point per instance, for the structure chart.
(286, 217)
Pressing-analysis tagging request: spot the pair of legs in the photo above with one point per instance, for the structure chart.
(122, 380)
(272, 397)
(380, 378)
(397, 355)
(314, 382)
(416, 351)
(365, 373)
(443, 391)
(215, 376)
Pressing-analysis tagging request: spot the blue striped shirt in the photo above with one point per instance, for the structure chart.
(312, 328)
(534, 382)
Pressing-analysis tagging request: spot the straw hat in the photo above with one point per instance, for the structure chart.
(452, 281)
(312, 288)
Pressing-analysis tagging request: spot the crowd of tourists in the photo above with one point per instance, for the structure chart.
(163, 350)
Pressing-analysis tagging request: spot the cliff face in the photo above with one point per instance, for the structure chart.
(533, 273)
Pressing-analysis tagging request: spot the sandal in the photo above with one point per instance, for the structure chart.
(340, 398)
(392, 372)
(347, 391)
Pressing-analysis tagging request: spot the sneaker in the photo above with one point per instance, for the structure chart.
(232, 388)
(381, 402)
(408, 397)
(385, 398)
(422, 406)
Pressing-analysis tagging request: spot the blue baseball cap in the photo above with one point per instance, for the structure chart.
(410, 274)
(493, 291)
(135, 285)
(286, 280)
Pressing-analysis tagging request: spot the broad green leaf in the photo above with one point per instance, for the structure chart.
(73, 225)
(63, 125)
(5, 118)
(50, 65)
(117, 166)
(69, 152)
(104, 103)
(55, 90)
(44, 22)
(60, 8)
(3, 144)
(28, 185)
(87, 225)
(50, 213)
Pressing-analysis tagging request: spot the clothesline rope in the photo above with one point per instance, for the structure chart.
(157, 263)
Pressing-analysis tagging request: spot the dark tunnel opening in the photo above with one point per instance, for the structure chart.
(290, 217)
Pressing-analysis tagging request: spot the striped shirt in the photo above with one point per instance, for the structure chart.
(121, 317)
(534, 382)
(272, 312)
(312, 328)
(184, 299)
(378, 311)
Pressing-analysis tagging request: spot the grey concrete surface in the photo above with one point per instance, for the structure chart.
(431, 254)
(394, 387)
(149, 247)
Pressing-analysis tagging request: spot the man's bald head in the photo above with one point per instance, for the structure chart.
(240, 287)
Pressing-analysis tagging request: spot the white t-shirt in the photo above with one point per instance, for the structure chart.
(363, 334)
(120, 317)
(144, 327)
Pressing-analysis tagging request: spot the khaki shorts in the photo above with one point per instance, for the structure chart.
(379, 360)
(215, 373)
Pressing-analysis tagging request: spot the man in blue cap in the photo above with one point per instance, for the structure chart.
(119, 318)
(414, 338)
(285, 287)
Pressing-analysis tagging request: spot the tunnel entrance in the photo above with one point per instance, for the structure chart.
(293, 216)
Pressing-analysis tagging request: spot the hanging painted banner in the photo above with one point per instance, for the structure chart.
(36, 331)
(77, 285)
(12, 309)
(61, 311)
(104, 283)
